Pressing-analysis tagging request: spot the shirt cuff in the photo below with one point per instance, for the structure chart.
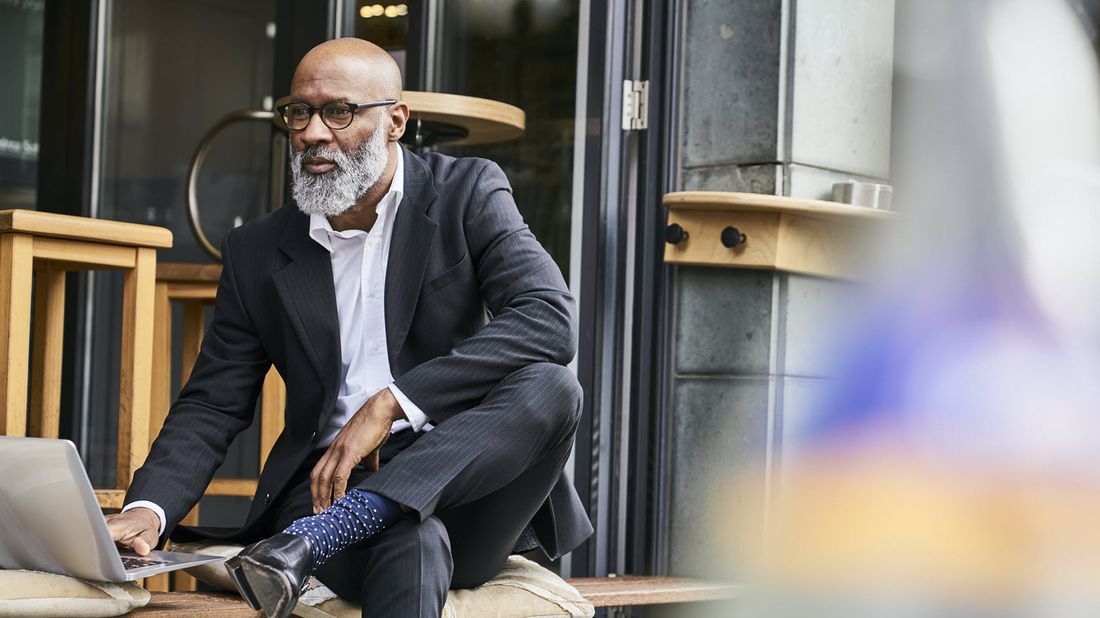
(152, 506)
(416, 416)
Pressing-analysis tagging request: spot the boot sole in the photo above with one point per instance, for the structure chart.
(270, 587)
(233, 567)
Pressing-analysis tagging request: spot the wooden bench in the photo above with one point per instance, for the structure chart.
(631, 590)
(600, 591)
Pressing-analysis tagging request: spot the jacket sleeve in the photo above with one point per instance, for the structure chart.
(216, 404)
(523, 289)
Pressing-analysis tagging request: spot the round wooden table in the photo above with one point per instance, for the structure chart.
(435, 118)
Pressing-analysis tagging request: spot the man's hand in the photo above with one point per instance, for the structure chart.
(136, 529)
(358, 441)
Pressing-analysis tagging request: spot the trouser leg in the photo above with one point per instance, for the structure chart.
(404, 570)
(485, 472)
(483, 532)
(475, 482)
(528, 417)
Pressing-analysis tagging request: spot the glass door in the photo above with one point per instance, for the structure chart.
(523, 53)
(165, 72)
(21, 26)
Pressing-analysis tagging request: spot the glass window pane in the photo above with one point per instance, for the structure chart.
(173, 70)
(386, 24)
(21, 76)
(521, 52)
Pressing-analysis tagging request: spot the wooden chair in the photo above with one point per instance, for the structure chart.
(195, 286)
(40, 248)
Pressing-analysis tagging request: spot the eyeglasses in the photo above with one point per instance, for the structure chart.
(335, 114)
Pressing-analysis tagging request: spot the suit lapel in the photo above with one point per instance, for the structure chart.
(413, 236)
(306, 289)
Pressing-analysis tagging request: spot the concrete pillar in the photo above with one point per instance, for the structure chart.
(785, 98)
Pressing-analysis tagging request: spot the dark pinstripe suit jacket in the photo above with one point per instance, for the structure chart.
(470, 297)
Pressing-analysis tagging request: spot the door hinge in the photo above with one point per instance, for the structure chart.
(635, 104)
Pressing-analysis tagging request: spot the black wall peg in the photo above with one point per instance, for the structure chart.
(732, 237)
(675, 234)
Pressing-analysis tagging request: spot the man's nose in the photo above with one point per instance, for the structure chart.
(316, 132)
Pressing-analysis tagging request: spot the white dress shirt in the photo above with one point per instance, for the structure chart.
(359, 260)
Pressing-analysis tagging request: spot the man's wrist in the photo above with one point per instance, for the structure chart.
(391, 406)
(416, 417)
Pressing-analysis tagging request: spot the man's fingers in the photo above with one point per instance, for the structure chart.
(140, 546)
(117, 530)
(324, 482)
(371, 463)
(340, 480)
(123, 529)
(315, 481)
(132, 538)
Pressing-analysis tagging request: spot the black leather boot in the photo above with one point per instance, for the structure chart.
(271, 574)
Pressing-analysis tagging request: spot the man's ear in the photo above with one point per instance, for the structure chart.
(399, 117)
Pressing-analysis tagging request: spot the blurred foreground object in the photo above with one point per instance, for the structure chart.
(955, 470)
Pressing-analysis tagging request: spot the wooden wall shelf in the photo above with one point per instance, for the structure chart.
(804, 236)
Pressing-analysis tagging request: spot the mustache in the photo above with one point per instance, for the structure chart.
(298, 157)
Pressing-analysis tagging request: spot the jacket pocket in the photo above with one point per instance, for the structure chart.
(446, 277)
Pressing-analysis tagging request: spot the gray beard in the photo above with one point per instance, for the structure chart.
(334, 192)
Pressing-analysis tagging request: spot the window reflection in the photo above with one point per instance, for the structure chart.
(521, 52)
(21, 76)
(386, 24)
(173, 69)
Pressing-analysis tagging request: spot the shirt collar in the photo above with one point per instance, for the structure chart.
(320, 230)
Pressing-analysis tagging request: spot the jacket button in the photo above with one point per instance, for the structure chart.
(267, 498)
(313, 438)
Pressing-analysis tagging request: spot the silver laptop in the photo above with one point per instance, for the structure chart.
(50, 520)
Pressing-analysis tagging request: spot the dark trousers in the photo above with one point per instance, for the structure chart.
(475, 482)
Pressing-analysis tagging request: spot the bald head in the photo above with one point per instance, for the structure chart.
(353, 65)
(342, 172)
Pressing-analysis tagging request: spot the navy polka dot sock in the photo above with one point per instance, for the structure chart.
(350, 520)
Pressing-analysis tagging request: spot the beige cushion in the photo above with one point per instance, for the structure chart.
(212, 574)
(521, 590)
(33, 593)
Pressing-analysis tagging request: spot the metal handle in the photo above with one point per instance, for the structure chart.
(241, 115)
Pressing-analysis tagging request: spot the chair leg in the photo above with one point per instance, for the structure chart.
(16, 260)
(44, 418)
(272, 405)
(161, 398)
(184, 582)
(137, 358)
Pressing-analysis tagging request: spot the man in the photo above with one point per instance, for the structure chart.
(422, 333)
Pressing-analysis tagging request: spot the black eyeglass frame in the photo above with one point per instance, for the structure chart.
(354, 107)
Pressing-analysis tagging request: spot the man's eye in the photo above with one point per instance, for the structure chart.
(299, 112)
(338, 112)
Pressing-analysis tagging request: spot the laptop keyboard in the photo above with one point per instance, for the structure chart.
(129, 562)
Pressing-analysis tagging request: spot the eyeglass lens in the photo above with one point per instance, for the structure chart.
(335, 115)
